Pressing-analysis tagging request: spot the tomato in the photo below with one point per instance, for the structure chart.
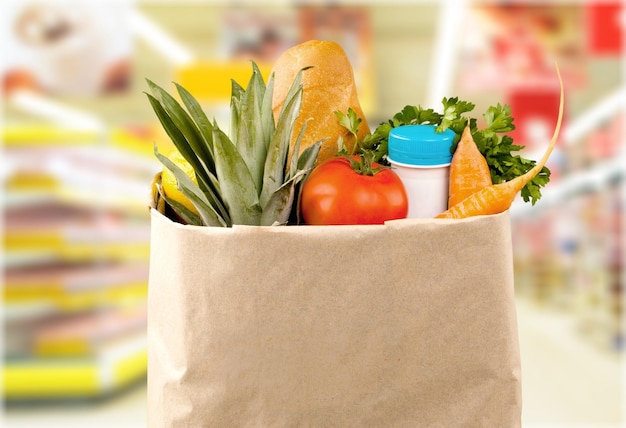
(334, 194)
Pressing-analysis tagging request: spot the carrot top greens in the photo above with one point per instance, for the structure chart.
(493, 142)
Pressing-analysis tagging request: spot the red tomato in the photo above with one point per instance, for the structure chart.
(336, 194)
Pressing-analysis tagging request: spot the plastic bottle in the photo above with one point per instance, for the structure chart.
(421, 158)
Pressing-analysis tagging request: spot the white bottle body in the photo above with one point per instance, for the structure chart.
(426, 187)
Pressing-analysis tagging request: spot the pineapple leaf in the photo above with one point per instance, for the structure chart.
(186, 215)
(205, 127)
(213, 193)
(306, 163)
(296, 149)
(182, 120)
(157, 200)
(276, 160)
(248, 129)
(258, 149)
(236, 89)
(177, 136)
(202, 122)
(278, 208)
(267, 114)
(244, 179)
(307, 159)
(235, 116)
(207, 180)
(257, 85)
(237, 185)
(192, 192)
(295, 86)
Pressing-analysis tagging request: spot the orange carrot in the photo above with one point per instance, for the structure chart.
(498, 198)
(469, 171)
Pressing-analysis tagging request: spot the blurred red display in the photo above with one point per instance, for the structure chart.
(535, 111)
(604, 35)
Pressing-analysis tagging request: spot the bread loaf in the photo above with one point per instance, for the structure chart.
(327, 87)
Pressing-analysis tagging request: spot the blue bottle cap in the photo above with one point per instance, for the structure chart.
(420, 145)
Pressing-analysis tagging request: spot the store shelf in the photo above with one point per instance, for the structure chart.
(79, 378)
(70, 287)
(96, 177)
(76, 245)
(593, 179)
(86, 333)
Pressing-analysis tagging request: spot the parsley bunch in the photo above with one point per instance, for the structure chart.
(492, 141)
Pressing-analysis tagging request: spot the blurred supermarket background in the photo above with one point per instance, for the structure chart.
(77, 163)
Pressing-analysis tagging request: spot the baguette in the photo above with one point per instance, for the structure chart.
(328, 86)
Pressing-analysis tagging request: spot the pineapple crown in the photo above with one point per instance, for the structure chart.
(244, 177)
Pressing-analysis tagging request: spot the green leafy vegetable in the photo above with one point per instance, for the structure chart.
(493, 141)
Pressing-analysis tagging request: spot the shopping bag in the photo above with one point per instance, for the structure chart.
(407, 324)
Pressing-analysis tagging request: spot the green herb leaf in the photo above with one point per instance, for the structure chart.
(499, 119)
(453, 109)
(495, 145)
(350, 121)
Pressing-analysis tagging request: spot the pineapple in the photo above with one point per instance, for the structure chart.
(243, 177)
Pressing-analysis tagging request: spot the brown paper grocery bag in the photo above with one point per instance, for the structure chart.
(410, 324)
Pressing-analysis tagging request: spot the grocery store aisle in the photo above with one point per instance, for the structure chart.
(567, 383)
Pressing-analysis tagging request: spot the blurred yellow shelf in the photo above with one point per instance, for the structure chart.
(211, 80)
(85, 333)
(47, 135)
(57, 242)
(132, 141)
(139, 142)
(71, 233)
(72, 288)
(63, 378)
(58, 298)
(21, 255)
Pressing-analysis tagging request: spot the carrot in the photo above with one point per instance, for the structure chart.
(469, 171)
(498, 198)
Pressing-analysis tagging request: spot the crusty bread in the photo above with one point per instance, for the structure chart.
(327, 87)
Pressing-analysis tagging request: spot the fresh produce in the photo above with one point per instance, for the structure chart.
(280, 131)
(335, 194)
(169, 183)
(327, 87)
(244, 178)
(498, 198)
(469, 171)
(496, 147)
(351, 189)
